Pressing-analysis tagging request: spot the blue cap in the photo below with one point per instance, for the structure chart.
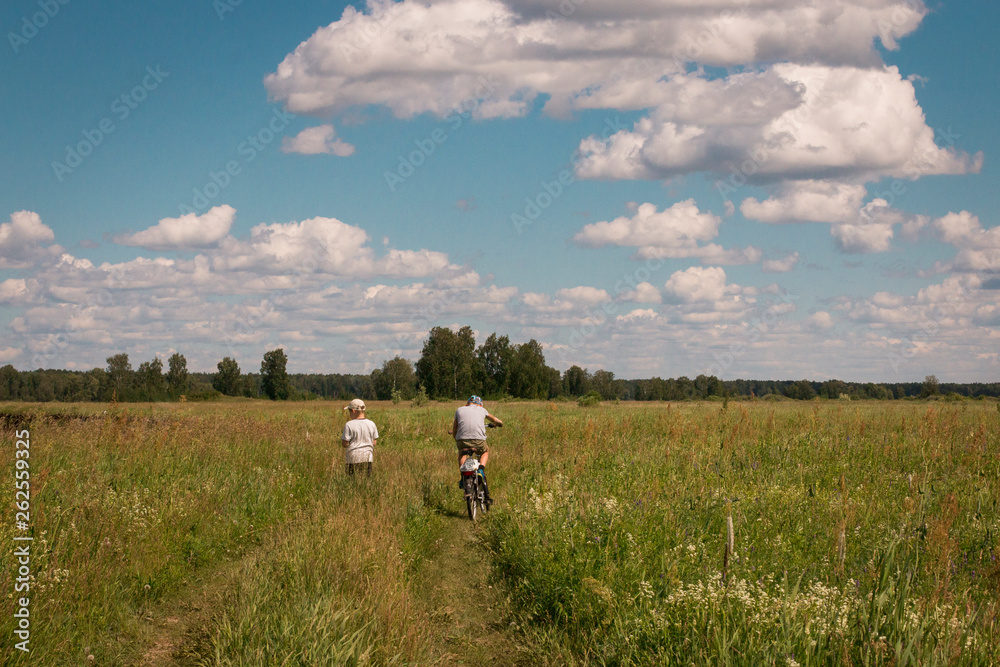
(476, 400)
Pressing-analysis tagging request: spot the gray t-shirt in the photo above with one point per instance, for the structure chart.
(361, 434)
(471, 422)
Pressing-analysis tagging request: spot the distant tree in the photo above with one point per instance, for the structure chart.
(555, 382)
(576, 381)
(150, 382)
(396, 375)
(603, 382)
(119, 377)
(495, 358)
(801, 390)
(447, 362)
(177, 375)
(248, 387)
(931, 387)
(94, 384)
(529, 377)
(833, 389)
(273, 376)
(10, 383)
(227, 380)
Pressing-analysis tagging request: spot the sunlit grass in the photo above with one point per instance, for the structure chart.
(864, 533)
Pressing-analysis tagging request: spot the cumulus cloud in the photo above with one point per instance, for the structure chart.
(14, 290)
(978, 248)
(698, 284)
(873, 228)
(318, 140)
(321, 246)
(429, 57)
(643, 293)
(639, 314)
(821, 321)
(783, 265)
(676, 232)
(847, 122)
(21, 240)
(807, 201)
(190, 231)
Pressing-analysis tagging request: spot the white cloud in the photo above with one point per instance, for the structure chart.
(321, 139)
(978, 248)
(639, 314)
(673, 233)
(14, 290)
(808, 201)
(872, 229)
(821, 321)
(582, 296)
(187, 232)
(428, 57)
(783, 265)
(698, 284)
(643, 293)
(21, 239)
(855, 123)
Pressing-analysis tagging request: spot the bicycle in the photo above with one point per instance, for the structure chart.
(473, 482)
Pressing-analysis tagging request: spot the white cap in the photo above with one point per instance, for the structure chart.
(356, 404)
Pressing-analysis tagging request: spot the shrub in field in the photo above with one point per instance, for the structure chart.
(590, 398)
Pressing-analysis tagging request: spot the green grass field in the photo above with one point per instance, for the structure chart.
(816, 533)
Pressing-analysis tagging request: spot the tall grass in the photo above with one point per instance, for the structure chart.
(130, 504)
(862, 534)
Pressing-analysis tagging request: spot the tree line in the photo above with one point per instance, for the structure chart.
(451, 366)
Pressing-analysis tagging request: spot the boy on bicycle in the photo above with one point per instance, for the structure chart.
(359, 438)
(469, 429)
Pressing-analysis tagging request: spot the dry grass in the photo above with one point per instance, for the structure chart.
(131, 505)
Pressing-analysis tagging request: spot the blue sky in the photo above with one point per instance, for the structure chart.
(856, 238)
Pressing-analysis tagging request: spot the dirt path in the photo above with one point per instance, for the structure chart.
(451, 586)
(175, 624)
(456, 596)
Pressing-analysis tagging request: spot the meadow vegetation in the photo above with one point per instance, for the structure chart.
(817, 533)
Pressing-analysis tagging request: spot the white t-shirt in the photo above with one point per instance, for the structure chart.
(471, 422)
(361, 434)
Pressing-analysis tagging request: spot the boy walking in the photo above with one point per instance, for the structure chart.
(359, 438)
